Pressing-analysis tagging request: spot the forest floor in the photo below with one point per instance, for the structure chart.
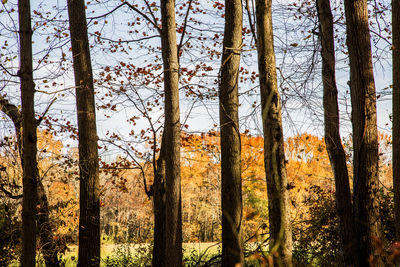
(108, 250)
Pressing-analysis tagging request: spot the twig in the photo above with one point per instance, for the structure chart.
(184, 27)
(8, 72)
(9, 194)
(250, 22)
(45, 112)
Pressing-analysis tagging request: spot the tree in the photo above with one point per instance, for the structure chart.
(274, 156)
(364, 122)
(169, 162)
(159, 209)
(333, 141)
(45, 229)
(231, 187)
(396, 111)
(89, 218)
(43, 224)
(29, 138)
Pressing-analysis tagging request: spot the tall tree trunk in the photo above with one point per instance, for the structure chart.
(89, 217)
(159, 209)
(396, 112)
(29, 137)
(333, 141)
(231, 187)
(173, 205)
(365, 140)
(274, 156)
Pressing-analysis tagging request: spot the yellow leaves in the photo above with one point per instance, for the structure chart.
(191, 141)
(62, 197)
(48, 149)
(306, 147)
(308, 164)
(46, 142)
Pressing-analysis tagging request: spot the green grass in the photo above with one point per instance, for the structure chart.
(107, 250)
(70, 258)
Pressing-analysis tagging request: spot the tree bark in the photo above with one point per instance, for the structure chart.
(396, 112)
(159, 209)
(274, 156)
(89, 217)
(365, 141)
(14, 114)
(29, 137)
(231, 187)
(173, 205)
(333, 141)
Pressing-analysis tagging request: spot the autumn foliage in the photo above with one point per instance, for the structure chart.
(127, 210)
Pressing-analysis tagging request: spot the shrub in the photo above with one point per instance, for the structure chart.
(125, 255)
(316, 240)
(10, 232)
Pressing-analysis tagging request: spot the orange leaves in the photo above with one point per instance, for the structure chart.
(47, 143)
(306, 147)
(307, 166)
(62, 197)
(218, 5)
(191, 141)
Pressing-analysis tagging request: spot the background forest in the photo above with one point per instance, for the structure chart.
(266, 132)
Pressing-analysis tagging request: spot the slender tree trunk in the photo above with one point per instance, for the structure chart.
(365, 140)
(231, 188)
(173, 205)
(333, 141)
(89, 217)
(396, 112)
(159, 209)
(274, 156)
(29, 137)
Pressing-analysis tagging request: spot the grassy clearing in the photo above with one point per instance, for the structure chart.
(107, 250)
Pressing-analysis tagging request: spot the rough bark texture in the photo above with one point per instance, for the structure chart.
(274, 156)
(396, 112)
(159, 209)
(333, 141)
(365, 141)
(29, 137)
(89, 217)
(231, 188)
(173, 205)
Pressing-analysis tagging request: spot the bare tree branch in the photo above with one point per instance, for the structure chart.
(184, 27)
